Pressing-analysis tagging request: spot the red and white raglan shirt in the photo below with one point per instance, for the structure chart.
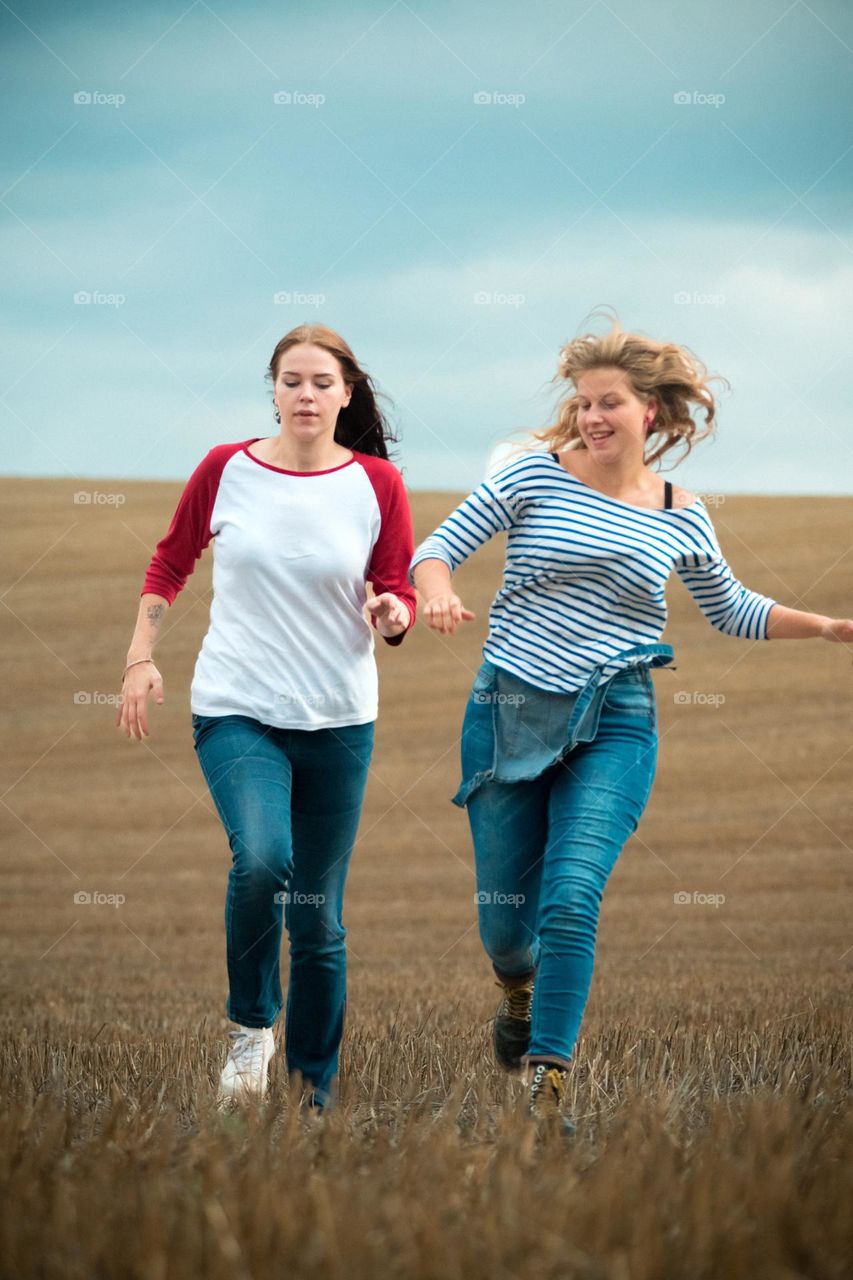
(289, 643)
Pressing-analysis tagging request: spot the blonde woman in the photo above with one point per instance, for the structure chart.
(284, 695)
(559, 738)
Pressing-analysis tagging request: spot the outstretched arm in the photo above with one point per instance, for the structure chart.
(727, 604)
(794, 624)
(734, 609)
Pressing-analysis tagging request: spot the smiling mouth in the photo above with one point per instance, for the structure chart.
(600, 435)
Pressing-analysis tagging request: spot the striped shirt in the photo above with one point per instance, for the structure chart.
(585, 573)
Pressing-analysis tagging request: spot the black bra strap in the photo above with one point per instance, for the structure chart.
(667, 488)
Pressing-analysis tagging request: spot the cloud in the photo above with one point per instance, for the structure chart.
(466, 374)
(459, 297)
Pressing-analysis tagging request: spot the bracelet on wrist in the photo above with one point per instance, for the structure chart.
(135, 663)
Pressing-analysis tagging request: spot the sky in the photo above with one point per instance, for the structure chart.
(454, 189)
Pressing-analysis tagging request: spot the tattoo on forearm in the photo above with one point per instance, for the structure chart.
(155, 614)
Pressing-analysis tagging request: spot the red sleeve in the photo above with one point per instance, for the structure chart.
(394, 548)
(189, 533)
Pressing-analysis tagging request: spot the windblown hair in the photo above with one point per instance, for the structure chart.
(361, 424)
(670, 373)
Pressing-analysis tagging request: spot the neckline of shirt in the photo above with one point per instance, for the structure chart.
(666, 511)
(283, 472)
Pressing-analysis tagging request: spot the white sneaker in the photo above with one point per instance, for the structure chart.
(247, 1065)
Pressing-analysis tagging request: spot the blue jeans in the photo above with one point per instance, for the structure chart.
(290, 802)
(545, 845)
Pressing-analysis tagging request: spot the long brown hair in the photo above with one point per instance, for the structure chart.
(361, 424)
(670, 373)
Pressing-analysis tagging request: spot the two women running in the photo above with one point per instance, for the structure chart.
(559, 741)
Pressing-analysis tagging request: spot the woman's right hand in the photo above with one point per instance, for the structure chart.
(139, 681)
(444, 612)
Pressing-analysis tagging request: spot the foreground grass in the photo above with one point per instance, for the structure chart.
(712, 1079)
(702, 1151)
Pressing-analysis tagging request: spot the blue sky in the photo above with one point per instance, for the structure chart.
(387, 201)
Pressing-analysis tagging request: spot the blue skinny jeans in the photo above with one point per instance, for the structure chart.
(290, 802)
(546, 841)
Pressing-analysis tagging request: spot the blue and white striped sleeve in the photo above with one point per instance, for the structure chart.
(727, 604)
(491, 508)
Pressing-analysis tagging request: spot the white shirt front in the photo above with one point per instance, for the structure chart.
(288, 642)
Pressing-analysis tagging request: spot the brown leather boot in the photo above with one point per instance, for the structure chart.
(511, 1033)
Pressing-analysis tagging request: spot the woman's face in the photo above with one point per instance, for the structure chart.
(611, 419)
(309, 391)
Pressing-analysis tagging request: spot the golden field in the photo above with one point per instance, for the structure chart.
(712, 1078)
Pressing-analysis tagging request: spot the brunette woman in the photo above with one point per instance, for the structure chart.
(284, 695)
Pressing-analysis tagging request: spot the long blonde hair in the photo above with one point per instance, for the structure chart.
(671, 373)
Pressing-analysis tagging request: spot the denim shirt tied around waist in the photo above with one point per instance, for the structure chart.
(530, 728)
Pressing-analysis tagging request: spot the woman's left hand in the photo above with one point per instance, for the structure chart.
(392, 616)
(839, 629)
